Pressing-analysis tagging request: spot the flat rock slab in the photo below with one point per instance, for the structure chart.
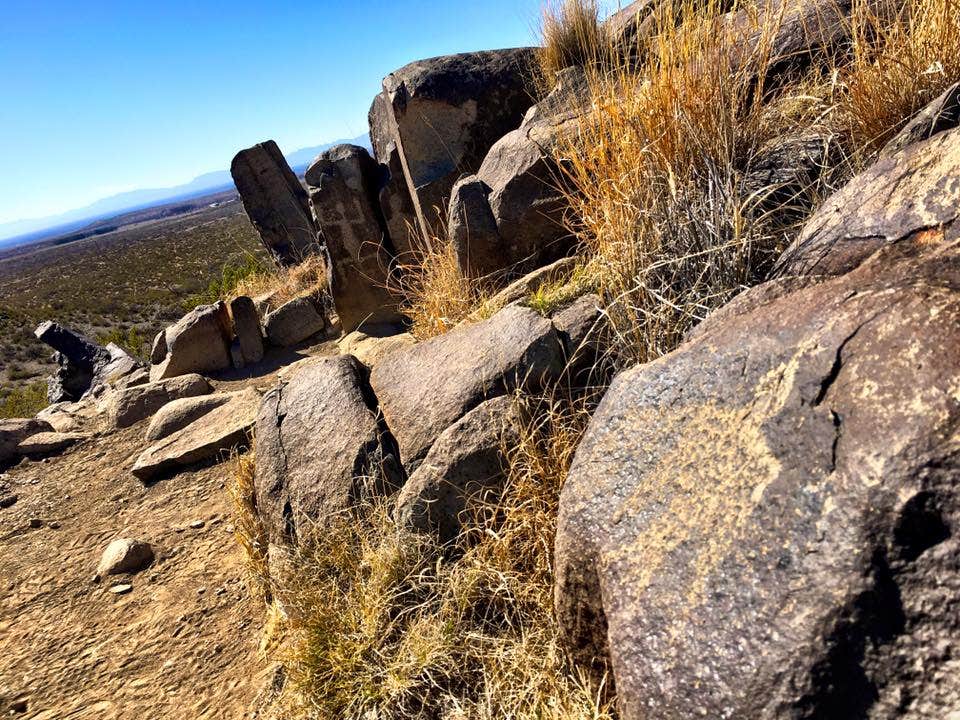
(45, 444)
(133, 404)
(424, 389)
(14, 431)
(177, 414)
(219, 430)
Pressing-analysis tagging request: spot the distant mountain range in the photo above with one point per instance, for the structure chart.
(21, 232)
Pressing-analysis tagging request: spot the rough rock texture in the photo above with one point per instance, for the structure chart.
(446, 112)
(784, 177)
(320, 447)
(524, 286)
(246, 328)
(466, 464)
(131, 405)
(760, 524)
(343, 184)
(177, 414)
(472, 229)
(198, 342)
(371, 349)
(15, 431)
(208, 437)
(943, 113)
(293, 322)
(124, 555)
(426, 388)
(45, 444)
(399, 215)
(904, 196)
(275, 201)
(581, 329)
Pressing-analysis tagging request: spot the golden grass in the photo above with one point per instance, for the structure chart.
(900, 61)
(383, 621)
(309, 277)
(570, 34)
(247, 527)
(434, 293)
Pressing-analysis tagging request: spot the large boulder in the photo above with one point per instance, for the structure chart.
(472, 229)
(293, 322)
(343, 184)
(210, 437)
(131, 405)
(399, 215)
(177, 414)
(760, 524)
(464, 470)
(424, 389)
(446, 112)
(320, 446)
(198, 342)
(14, 431)
(246, 329)
(275, 201)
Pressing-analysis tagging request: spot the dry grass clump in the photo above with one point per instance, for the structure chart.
(570, 34)
(902, 59)
(383, 622)
(435, 294)
(672, 229)
(247, 527)
(308, 277)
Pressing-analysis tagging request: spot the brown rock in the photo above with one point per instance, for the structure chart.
(472, 229)
(125, 555)
(177, 414)
(246, 328)
(293, 322)
(198, 342)
(14, 431)
(131, 405)
(45, 444)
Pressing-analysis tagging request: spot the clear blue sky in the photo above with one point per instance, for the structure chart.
(104, 96)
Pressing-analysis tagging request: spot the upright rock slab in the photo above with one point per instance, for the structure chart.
(446, 112)
(198, 342)
(343, 184)
(320, 447)
(761, 524)
(246, 328)
(426, 388)
(275, 201)
(399, 214)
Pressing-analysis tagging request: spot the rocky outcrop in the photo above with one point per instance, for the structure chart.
(131, 405)
(177, 414)
(247, 334)
(321, 447)
(343, 184)
(14, 431)
(426, 388)
(399, 214)
(464, 470)
(275, 201)
(293, 322)
(210, 437)
(943, 113)
(444, 113)
(760, 523)
(199, 342)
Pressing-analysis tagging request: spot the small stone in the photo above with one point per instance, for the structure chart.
(36, 522)
(125, 555)
(197, 524)
(7, 501)
(201, 590)
(121, 589)
(53, 525)
(228, 527)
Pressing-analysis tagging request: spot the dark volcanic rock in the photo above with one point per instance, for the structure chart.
(320, 447)
(399, 214)
(343, 184)
(943, 113)
(275, 201)
(472, 229)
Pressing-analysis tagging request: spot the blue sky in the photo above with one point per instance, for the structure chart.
(100, 97)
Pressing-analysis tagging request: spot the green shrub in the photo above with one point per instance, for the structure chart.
(24, 402)
(231, 276)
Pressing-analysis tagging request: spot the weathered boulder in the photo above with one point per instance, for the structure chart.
(246, 329)
(344, 183)
(293, 322)
(472, 229)
(464, 468)
(446, 112)
(124, 555)
(14, 431)
(759, 524)
(908, 195)
(320, 447)
(211, 436)
(426, 388)
(942, 113)
(45, 444)
(198, 342)
(399, 215)
(370, 349)
(177, 414)
(275, 201)
(133, 404)
(581, 329)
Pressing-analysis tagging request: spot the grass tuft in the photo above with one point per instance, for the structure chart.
(571, 34)
(247, 527)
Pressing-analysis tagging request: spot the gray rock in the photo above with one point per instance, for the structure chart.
(758, 525)
(125, 555)
(371, 349)
(276, 202)
(464, 468)
(209, 437)
(343, 183)
(581, 328)
(446, 112)
(399, 214)
(246, 328)
(293, 322)
(45, 444)
(472, 229)
(177, 414)
(199, 342)
(14, 431)
(131, 405)
(426, 388)
(320, 448)
(942, 113)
